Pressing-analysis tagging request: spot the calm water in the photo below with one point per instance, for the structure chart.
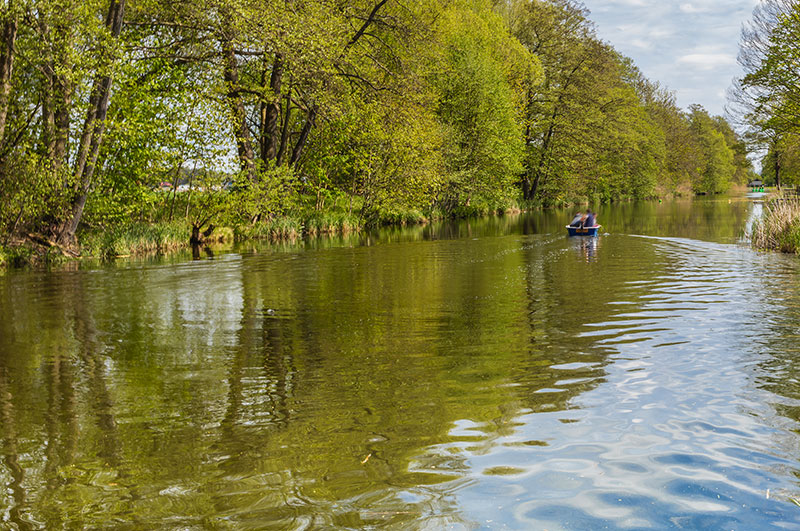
(483, 375)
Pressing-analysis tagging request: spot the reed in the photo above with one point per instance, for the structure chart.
(136, 239)
(272, 229)
(779, 227)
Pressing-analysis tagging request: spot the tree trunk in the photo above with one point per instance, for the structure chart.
(61, 121)
(526, 187)
(92, 133)
(540, 167)
(244, 143)
(285, 128)
(301, 142)
(48, 116)
(9, 37)
(56, 97)
(272, 110)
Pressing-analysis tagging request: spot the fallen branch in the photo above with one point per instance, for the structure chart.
(50, 244)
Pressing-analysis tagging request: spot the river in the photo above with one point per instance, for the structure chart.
(486, 374)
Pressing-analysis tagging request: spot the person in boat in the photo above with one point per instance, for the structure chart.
(576, 221)
(589, 221)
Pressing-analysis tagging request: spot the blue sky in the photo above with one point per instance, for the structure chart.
(689, 46)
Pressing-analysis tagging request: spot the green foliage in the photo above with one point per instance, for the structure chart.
(32, 194)
(716, 167)
(246, 201)
(483, 140)
(783, 158)
(767, 96)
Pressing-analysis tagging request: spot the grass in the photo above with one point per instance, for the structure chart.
(331, 223)
(148, 236)
(135, 239)
(398, 216)
(779, 227)
(273, 229)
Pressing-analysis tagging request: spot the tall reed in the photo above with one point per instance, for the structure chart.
(779, 227)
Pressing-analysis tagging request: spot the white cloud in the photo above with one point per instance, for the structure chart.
(689, 46)
(633, 3)
(641, 44)
(707, 61)
(689, 8)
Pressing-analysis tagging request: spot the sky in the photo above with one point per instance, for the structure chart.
(688, 46)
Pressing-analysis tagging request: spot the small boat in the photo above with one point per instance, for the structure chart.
(583, 231)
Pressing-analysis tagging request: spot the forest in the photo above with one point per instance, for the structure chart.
(124, 121)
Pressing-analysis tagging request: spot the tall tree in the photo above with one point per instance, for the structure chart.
(94, 125)
(9, 16)
(767, 98)
(478, 107)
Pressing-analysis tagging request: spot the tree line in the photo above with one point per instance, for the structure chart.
(368, 106)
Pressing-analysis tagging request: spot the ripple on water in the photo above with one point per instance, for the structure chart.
(670, 436)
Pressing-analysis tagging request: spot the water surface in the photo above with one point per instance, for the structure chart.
(490, 374)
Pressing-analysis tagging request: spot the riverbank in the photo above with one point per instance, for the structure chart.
(143, 238)
(152, 237)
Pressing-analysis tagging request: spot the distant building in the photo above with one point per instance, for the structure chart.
(755, 184)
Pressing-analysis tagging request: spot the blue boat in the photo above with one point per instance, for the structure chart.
(583, 231)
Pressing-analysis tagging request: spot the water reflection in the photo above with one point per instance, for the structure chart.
(14, 472)
(405, 378)
(585, 247)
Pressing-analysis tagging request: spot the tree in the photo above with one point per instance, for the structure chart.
(477, 105)
(70, 50)
(767, 98)
(717, 166)
(94, 126)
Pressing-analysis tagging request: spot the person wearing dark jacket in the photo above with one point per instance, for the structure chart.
(589, 221)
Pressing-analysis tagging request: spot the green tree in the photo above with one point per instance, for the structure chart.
(767, 98)
(717, 163)
(478, 108)
(585, 131)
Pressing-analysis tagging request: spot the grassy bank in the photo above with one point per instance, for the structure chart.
(138, 239)
(135, 239)
(146, 236)
(141, 238)
(779, 226)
